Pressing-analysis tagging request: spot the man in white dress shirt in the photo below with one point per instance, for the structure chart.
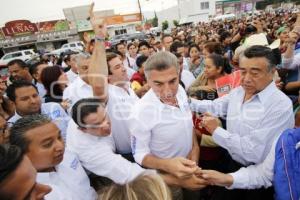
(257, 112)
(116, 76)
(41, 141)
(72, 74)
(90, 139)
(80, 87)
(36, 71)
(161, 124)
(25, 97)
(119, 96)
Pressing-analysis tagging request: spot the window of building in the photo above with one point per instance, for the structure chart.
(204, 5)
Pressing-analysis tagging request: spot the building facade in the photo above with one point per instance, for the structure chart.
(23, 34)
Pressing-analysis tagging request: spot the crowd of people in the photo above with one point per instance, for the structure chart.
(150, 120)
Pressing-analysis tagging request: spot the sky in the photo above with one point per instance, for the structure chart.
(43, 10)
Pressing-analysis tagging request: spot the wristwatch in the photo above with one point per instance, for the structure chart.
(99, 39)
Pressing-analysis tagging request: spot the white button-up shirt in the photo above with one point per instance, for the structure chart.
(55, 112)
(255, 176)
(69, 181)
(187, 78)
(77, 90)
(97, 154)
(119, 107)
(253, 125)
(42, 91)
(71, 76)
(159, 129)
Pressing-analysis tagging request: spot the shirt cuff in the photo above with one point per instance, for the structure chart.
(197, 105)
(287, 61)
(238, 180)
(220, 136)
(139, 157)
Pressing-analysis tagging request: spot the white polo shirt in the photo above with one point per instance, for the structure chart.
(119, 105)
(55, 112)
(69, 181)
(159, 129)
(97, 154)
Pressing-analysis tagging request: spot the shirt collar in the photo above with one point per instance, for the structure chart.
(264, 95)
(80, 82)
(154, 98)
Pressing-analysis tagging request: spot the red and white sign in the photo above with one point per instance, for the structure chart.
(19, 27)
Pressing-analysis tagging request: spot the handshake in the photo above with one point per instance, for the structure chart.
(188, 175)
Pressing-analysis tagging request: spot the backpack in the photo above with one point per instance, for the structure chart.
(287, 166)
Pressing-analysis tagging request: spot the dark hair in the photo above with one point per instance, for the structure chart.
(250, 29)
(144, 43)
(140, 60)
(120, 43)
(19, 62)
(224, 35)
(109, 57)
(220, 61)
(193, 46)
(92, 41)
(129, 45)
(11, 89)
(83, 108)
(21, 126)
(34, 67)
(175, 45)
(10, 158)
(214, 47)
(164, 36)
(259, 51)
(178, 55)
(49, 78)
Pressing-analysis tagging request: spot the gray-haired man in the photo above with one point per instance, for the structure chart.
(161, 125)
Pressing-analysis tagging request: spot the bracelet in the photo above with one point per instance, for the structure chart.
(100, 39)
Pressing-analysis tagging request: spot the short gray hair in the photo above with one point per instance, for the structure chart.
(81, 56)
(21, 126)
(161, 61)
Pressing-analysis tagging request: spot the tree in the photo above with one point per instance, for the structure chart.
(165, 25)
(155, 20)
(175, 22)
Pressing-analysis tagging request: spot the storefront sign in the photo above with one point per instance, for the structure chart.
(51, 26)
(19, 27)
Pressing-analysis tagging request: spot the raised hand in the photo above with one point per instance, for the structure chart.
(98, 23)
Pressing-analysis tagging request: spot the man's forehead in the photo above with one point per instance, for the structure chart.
(115, 61)
(14, 66)
(38, 135)
(253, 63)
(23, 90)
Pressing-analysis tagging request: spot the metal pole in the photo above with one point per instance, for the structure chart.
(178, 5)
(140, 8)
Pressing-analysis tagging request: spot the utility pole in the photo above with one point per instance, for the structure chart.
(140, 8)
(178, 6)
